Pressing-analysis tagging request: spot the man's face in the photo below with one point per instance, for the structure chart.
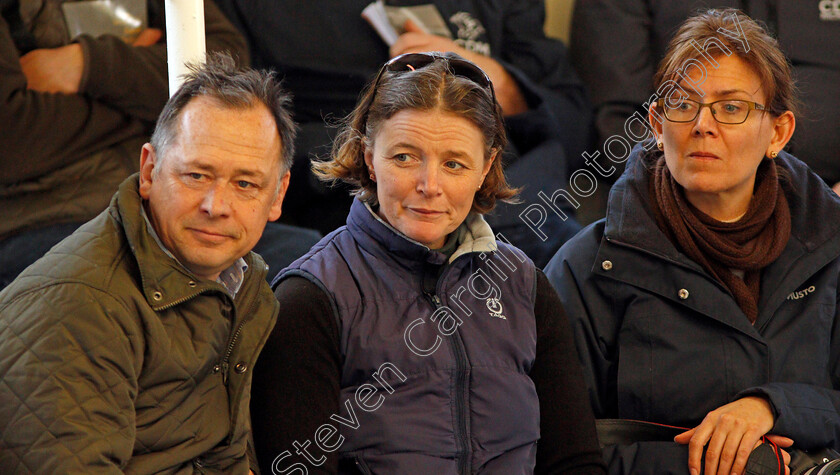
(219, 183)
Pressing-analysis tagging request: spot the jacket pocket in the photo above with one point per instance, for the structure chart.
(671, 366)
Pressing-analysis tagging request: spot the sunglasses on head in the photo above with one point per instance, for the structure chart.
(458, 67)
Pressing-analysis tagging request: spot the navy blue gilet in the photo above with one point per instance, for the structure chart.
(433, 381)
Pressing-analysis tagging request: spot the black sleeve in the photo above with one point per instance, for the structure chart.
(558, 107)
(611, 48)
(568, 442)
(296, 381)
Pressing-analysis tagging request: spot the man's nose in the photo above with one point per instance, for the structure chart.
(216, 202)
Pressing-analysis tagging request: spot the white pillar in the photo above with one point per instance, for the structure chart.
(184, 38)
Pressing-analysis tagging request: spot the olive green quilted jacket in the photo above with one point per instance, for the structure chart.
(114, 358)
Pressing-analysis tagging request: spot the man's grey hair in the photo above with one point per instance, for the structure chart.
(220, 80)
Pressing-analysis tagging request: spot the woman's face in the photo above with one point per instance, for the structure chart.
(427, 166)
(716, 163)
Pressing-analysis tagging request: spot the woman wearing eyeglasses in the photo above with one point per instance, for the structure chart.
(708, 297)
(412, 340)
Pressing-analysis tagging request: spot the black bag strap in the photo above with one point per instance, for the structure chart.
(628, 431)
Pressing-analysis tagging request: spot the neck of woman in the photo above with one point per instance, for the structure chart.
(727, 207)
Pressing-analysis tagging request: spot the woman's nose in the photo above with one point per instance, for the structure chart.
(428, 182)
(705, 122)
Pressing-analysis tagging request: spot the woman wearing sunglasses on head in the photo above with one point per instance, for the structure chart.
(412, 341)
(708, 297)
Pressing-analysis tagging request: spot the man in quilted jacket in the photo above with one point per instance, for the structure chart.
(129, 346)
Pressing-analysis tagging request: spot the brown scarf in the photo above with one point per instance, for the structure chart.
(749, 244)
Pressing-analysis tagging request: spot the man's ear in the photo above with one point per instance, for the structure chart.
(148, 160)
(277, 205)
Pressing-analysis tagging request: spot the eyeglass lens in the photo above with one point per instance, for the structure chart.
(725, 112)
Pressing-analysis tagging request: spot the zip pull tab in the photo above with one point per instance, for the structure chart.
(433, 298)
(225, 367)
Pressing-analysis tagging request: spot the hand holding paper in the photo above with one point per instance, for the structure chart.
(415, 40)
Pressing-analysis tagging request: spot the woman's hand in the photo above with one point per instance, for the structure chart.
(731, 431)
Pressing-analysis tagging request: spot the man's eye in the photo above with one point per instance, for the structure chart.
(245, 184)
(196, 176)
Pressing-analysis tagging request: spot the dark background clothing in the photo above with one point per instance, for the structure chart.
(616, 46)
(661, 340)
(326, 53)
(284, 410)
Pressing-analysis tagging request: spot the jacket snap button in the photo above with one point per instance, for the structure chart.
(606, 265)
(217, 368)
(240, 367)
(191, 284)
(157, 295)
(683, 294)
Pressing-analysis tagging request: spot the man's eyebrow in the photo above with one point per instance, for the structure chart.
(246, 172)
(237, 172)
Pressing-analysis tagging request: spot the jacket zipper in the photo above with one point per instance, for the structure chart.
(225, 364)
(456, 345)
(362, 466)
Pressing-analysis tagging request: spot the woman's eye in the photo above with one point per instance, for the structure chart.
(402, 157)
(453, 165)
(731, 108)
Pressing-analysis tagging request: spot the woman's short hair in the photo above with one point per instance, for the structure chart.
(704, 32)
(429, 88)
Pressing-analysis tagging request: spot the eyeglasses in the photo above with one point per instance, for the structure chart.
(726, 111)
(458, 67)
